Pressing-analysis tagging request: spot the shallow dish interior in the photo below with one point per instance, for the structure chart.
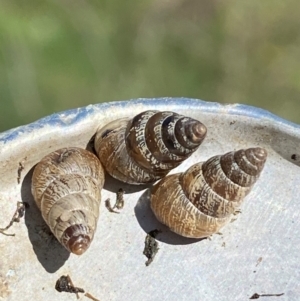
(257, 253)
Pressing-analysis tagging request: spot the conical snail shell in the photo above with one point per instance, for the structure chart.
(198, 202)
(66, 185)
(144, 149)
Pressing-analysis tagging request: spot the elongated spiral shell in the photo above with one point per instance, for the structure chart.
(66, 185)
(198, 202)
(144, 149)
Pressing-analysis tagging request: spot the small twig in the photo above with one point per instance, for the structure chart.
(256, 296)
(20, 169)
(65, 284)
(109, 207)
(19, 213)
(119, 204)
(91, 297)
(6, 234)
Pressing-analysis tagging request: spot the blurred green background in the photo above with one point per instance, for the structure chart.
(58, 54)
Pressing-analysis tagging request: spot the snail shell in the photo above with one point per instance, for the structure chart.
(66, 185)
(144, 149)
(198, 202)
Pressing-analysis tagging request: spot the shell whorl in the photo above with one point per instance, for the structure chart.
(198, 202)
(145, 148)
(66, 185)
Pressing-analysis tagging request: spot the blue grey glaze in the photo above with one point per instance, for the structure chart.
(82, 113)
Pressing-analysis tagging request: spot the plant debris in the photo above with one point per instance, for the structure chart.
(109, 207)
(65, 284)
(256, 296)
(120, 199)
(119, 204)
(151, 246)
(19, 213)
(20, 169)
(91, 297)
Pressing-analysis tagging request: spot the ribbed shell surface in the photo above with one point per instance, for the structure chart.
(200, 201)
(144, 149)
(66, 186)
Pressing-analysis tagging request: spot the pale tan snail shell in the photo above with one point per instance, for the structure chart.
(145, 148)
(198, 202)
(66, 185)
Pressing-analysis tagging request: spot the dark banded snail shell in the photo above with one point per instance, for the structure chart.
(144, 149)
(200, 201)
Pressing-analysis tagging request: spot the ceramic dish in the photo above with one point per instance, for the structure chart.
(257, 253)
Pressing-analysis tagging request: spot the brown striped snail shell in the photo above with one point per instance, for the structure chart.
(145, 148)
(66, 185)
(200, 201)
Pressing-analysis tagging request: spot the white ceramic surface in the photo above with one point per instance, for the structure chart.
(227, 267)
